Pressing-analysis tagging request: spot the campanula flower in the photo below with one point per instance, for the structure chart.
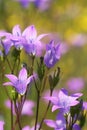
(60, 123)
(1, 125)
(21, 82)
(75, 84)
(27, 107)
(42, 5)
(63, 101)
(30, 128)
(6, 44)
(33, 41)
(52, 54)
(25, 3)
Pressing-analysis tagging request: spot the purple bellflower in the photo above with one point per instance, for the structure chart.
(27, 107)
(52, 54)
(6, 44)
(75, 84)
(31, 128)
(1, 125)
(25, 3)
(63, 101)
(17, 37)
(60, 123)
(21, 82)
(42, 5)
(33, 41)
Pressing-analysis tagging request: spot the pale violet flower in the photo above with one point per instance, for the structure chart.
(75, 84)
(27, 107)
(33, 44)
(1, 125)
(63, 101)
(21, 82)
(52, 54)
(60, 123)
(31, 128)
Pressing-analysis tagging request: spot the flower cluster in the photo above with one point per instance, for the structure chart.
(36, 75)
(40, 4)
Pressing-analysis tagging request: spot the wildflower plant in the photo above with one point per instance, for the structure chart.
(22, 77)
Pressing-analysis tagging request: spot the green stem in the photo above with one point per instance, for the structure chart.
(37, 109)
(11, 115)
(45, 112)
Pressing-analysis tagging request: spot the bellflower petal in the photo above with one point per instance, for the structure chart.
(50, 123)
(1, 125)
(12, 78)
(16, 31)
(52, 54)
(30, 33)
(26, 128)
(23, 74)
(58, 124)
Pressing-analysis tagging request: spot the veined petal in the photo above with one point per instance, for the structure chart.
(50, 123)
(16, 30)
(12, 78)
(41, 36)
(55, 107)
(30, 33)
(21, 88)
(8, 84)
(22, 74)
(26, 128)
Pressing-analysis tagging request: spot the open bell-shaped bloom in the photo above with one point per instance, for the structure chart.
(33, 41)
(63, 101)
(19, 83)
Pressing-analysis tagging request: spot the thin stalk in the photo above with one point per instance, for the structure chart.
(17, 117)
(11, 115)
(44, 81)
(41, 123)
(9, 64)
(37, 109)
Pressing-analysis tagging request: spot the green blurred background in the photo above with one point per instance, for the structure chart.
(64, 19)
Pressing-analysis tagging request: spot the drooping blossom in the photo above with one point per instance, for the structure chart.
(52, 55)
(27, 107)
(1, 125)
(21, 82)
(75, 84)
(6, 44)
(63, 101)
(60, 123)
(33, 44)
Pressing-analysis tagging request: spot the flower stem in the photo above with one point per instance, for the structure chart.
(37, 109)
(45, 112)
(11, 115)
